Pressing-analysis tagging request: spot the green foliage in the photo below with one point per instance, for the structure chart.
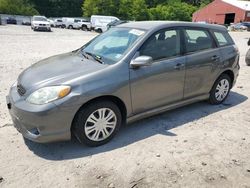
(141, 9)
(203, 3)
(58, 8)
(101, 7)
(19, 7)
(133, 10)
(124, 9)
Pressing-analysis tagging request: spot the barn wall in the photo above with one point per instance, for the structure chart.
(215, 13)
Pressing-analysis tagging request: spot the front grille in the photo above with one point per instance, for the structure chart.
(42, 24)
(21, 90)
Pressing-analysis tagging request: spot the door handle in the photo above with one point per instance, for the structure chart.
(178, 66)
(215, 58)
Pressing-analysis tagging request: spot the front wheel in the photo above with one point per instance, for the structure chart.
(97, 123)
(220, 90)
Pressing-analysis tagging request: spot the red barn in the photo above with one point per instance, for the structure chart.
(224, 12)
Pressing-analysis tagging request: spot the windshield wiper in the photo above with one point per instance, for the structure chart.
(95, 57)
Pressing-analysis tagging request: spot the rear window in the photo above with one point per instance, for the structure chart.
(223, 38)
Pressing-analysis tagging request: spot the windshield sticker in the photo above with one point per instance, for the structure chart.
(136, 32)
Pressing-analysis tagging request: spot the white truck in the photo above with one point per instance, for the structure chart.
(99, 23)
(76, 23)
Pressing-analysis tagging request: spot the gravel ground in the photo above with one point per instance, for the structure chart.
(195, 146)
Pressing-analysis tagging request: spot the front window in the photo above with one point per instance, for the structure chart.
(112, 45)
(161, 45)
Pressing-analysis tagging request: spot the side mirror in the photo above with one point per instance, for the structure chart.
(141, 61)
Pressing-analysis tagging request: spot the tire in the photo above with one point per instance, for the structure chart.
(247, 59)
(218, 96)
(87, 118)
(70, 27)
(99, 30)
(84, 28)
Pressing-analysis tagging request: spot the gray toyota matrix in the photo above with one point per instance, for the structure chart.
(132, 71)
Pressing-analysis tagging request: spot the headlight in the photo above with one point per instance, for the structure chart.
(48, 94)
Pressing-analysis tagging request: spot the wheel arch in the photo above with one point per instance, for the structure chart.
(121, 105)
(230, 73)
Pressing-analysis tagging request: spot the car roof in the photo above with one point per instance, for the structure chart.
(150, 25)
(39, 17)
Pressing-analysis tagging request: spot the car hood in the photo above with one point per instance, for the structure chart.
(40, 22)
(57, 70)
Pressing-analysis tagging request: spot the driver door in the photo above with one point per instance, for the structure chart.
(162, 82)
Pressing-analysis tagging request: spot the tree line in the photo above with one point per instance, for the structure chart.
(124, 9)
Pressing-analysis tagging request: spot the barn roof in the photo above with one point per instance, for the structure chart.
(245, 5)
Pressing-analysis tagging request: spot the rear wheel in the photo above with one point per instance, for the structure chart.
(220, 90)
(84, 28)
(70, 27)
(97, 123)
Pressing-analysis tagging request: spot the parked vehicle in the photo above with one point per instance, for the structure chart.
(40, 23)
(58, 22)
(132, 71)
(26, 21)
(240, 26)
(67, 23)
(82, 24)
(76, 23)
(115, 23)
(247, 24)
(248, 54)
(99, 23)
(52, 23)
(11, 20)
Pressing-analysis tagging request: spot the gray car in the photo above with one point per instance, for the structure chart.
(130, 72)
(248, 54)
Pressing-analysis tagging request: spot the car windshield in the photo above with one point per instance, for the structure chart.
(39, 19)
(112, 45)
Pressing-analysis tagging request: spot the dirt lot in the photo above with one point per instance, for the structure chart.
(195, 146)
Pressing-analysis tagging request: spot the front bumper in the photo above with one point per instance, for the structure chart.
(42, 28)
(39, 123)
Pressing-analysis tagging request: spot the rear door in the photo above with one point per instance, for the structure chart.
(202, 60)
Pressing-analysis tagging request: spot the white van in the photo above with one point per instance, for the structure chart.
(68, 22)
(99, 23)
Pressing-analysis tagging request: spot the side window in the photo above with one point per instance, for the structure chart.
(222, 38)
(197, 40)
(163, 44)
